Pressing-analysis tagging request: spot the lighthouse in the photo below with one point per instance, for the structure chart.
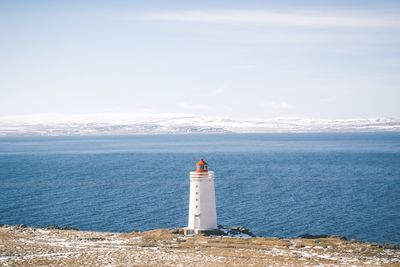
(202, 208)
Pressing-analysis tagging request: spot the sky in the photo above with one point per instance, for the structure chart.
(239, 59)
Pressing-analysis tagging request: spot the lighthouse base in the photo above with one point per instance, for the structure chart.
(187, 231)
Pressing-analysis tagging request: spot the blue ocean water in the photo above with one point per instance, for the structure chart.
(281, 185)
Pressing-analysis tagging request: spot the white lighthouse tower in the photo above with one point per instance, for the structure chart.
(202, 208)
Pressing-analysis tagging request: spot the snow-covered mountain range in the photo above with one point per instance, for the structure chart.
(140, 123)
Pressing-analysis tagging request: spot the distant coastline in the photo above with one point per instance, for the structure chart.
(150, 124)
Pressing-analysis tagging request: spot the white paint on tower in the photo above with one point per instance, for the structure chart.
(202, 208)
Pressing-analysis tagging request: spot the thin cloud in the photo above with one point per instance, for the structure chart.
(312, 20)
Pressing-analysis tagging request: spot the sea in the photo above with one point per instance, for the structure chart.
(277, 185)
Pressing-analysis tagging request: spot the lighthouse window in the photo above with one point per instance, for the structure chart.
(197, 199)
(197, 193)
(197, 206)
(197, 186)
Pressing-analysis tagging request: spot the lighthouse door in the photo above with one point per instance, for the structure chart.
(196, 221)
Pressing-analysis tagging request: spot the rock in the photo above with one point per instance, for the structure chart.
(308, 236)
(389, 246)
(211, 232)
(177, 231)
(56, 227)
(236, 231)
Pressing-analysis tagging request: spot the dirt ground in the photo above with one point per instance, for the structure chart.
(26, 246)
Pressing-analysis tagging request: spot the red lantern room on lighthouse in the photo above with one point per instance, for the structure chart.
(202, 166)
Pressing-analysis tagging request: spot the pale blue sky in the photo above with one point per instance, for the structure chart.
(240, 59)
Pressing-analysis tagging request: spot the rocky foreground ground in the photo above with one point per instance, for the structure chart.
(26, 246)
